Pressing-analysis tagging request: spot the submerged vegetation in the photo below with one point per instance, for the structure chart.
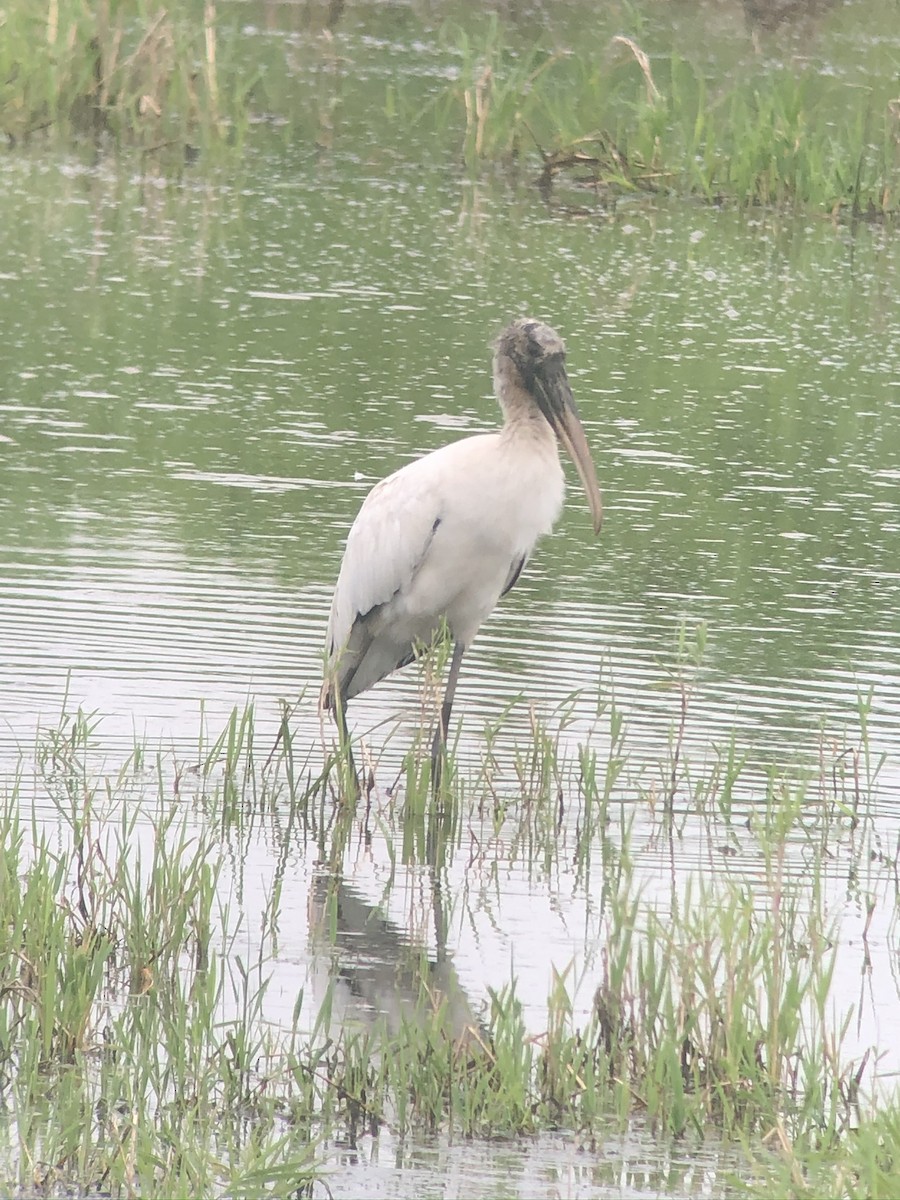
(598, 105)
(140, 1052)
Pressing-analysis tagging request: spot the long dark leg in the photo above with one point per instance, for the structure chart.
(340, 716)
(440, 737)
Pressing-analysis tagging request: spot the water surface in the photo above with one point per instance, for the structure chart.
(201, 383)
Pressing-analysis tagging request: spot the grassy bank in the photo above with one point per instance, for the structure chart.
(139, 1051)
(587, 106)
(129, 72)
(616, 120)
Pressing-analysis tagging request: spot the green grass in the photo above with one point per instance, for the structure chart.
(137, 1044)
(611, 120)
(123, 70)
(124, 1073)
(592, 107)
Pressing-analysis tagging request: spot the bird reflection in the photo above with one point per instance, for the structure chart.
(378, 972)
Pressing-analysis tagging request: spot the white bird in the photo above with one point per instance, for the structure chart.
(442, 539)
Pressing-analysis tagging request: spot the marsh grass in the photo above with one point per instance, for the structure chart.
(128, 70)
(713, 1005)
(609, 120)
(591, 116)
(132, 1044)
(137, 1045)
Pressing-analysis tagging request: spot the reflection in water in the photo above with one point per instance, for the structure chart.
(546, 1166)
(375, 970)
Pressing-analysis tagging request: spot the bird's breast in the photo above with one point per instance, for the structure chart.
(493, 503)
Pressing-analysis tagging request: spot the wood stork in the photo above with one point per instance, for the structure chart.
(443, 538)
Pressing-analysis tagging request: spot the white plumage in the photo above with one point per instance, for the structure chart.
(445, 536)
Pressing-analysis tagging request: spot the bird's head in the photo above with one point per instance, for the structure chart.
(530, 368)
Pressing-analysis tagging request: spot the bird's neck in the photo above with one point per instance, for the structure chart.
(525, 423)
(523, 420)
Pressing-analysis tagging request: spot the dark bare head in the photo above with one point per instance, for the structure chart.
(530, 357)
(529, 379)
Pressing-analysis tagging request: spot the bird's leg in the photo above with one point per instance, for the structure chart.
(340, 716)
(440, 738)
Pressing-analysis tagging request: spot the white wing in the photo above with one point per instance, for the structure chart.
(386, 543)
(385, 547)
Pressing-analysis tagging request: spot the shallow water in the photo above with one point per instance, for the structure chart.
(188, 441)
(625, 1167)
(201, 384)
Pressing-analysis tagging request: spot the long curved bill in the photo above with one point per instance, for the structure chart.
(570, 432)
(553, 393)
